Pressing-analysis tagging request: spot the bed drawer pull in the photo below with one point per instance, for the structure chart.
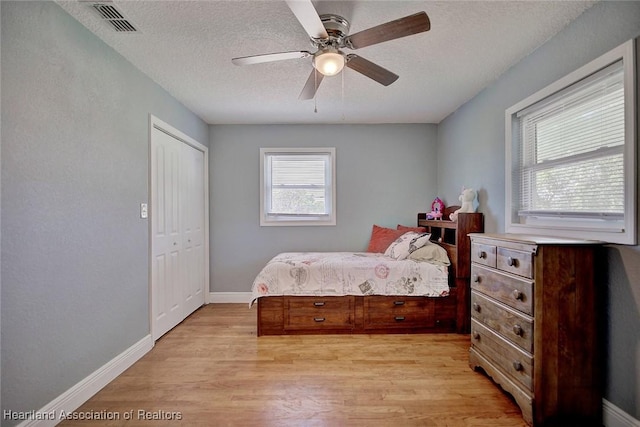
(399, 318)
(398, 303)
(318, 304)
(318, 319)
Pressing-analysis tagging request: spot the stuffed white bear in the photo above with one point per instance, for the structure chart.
(466, 199)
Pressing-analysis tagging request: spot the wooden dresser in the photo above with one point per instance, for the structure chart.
(534, 324)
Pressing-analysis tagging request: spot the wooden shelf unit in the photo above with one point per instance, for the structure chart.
(458, 247)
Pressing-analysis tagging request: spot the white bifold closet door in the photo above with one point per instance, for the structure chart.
(178, 240)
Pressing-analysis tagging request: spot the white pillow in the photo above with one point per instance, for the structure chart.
(407, 243)
(431, 252)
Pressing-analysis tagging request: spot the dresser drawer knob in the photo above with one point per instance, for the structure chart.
(399, 318)
(319, 319)
(518, 295)
(398, 303)
(517, 366)
(517, 329)
(512, 262)
(318, 304)
(476, 307)
(476, 336)
(482, 254)
(476, 278)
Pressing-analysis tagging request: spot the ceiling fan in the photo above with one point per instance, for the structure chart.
(329, 34)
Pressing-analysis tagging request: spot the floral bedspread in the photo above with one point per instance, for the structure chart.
(348, 273)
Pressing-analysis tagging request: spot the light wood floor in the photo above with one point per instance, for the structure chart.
(213, 371)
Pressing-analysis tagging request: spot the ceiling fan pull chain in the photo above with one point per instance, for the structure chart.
(342, 96)
(315, 95)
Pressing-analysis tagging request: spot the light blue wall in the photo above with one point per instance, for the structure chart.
(74, 171)
(74, 168)
(471, 145)
(386, 174)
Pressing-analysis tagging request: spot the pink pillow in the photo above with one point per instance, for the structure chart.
(382, 237)
(416, 229)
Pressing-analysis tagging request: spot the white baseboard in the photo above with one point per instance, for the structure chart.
(229, 297)
(612, 416)
(73, 398)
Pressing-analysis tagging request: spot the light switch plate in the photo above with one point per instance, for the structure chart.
(144, 213)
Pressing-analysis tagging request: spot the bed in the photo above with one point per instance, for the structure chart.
(370, 292)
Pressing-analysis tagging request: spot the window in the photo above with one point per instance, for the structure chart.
(297, 186)
(571, 154)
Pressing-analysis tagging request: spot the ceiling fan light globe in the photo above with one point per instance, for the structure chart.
(329, 63)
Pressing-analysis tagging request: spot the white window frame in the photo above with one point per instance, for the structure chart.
(622, 232)
(267, 219)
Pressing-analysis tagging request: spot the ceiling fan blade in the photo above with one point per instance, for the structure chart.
(308, 17)
(409, 25)
(311, 86)
(371, 70)
(270, 57)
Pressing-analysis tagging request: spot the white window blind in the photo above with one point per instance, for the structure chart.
(298, 187)
(572, 161)
(571, 154)
(298, 184)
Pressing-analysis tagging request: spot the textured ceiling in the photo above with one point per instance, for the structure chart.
(187, 46)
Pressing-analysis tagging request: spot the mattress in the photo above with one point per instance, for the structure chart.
(349, 273)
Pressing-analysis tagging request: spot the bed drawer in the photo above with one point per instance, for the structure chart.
(511, 290)
(511, 360)
(398, 312)
(509, 323)
(319, 313)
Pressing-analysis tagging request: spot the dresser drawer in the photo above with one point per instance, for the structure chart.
(483, 254)
(509, 359)
(512, 325)
(398, 312)
(514, 291)
(319, 312)
(516, 262)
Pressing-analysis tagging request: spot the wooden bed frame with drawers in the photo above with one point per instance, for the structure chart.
(286, 315)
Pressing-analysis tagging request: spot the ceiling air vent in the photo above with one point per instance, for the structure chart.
(113, 16)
